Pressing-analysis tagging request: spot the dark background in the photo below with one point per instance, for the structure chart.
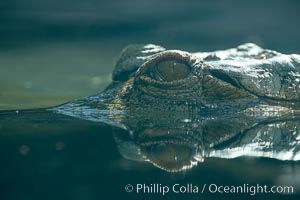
(193, 25)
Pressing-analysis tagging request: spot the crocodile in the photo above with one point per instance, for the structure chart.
(149, 77)
(178, 108)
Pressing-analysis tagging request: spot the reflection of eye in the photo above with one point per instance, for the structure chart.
(171, 70)
(168, 152)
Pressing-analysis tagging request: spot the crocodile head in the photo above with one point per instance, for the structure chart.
(150, 77)
(153, 87)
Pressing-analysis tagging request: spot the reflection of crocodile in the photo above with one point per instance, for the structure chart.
(174, 145)
(179, 107)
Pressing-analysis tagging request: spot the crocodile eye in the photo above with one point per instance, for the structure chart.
(171, 70)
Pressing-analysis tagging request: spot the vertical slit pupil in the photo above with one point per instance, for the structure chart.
(171, 70)
(173, 67)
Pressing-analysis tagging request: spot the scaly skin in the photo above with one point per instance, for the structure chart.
(179, 108)
(148, 77)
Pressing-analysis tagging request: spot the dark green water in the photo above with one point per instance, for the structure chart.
(51, 156)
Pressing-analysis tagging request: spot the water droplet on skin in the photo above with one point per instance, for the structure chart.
(262, 57)
(186, 120)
